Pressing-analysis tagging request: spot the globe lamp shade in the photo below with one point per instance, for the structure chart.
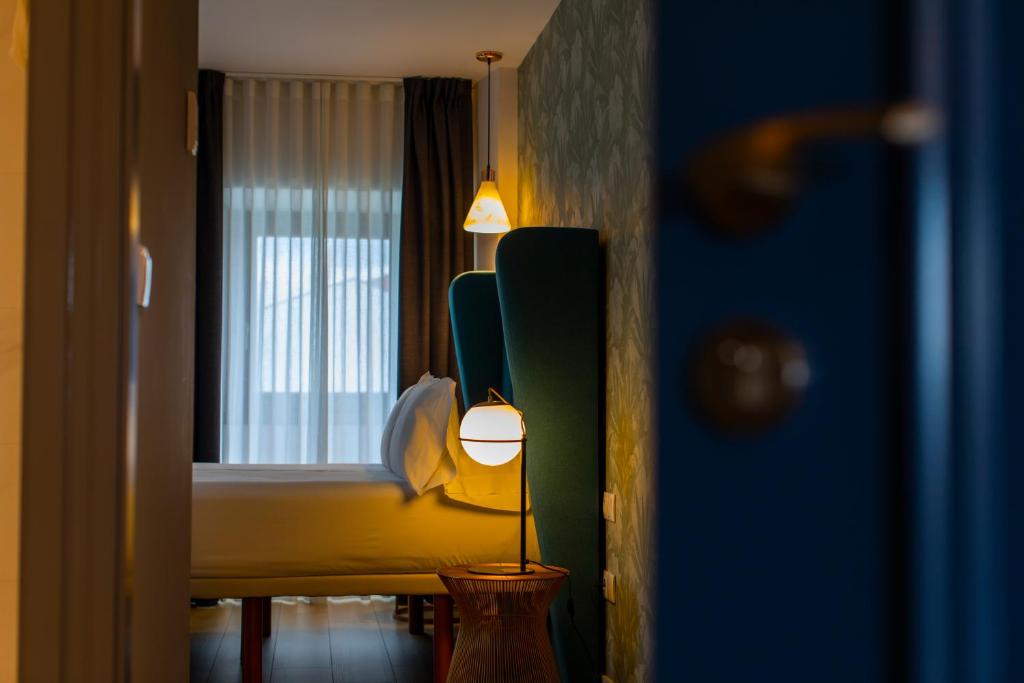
(492, 433)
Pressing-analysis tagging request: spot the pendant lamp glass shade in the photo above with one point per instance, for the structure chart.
(487, 215)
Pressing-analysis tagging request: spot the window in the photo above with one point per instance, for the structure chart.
(311, 219)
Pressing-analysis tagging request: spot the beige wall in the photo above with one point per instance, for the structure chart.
(12, 206)
(584, 141)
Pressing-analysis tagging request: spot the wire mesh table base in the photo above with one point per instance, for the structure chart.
(503, 637)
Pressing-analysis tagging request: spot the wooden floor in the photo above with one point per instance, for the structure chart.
(337, 640)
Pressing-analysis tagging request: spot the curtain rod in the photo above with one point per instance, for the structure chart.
(311, 77)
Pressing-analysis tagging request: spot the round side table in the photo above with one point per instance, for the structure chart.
(503, 637)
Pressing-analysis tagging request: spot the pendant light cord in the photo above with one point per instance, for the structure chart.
(570, 608)
(488, 118)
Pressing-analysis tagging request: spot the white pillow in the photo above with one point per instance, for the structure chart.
(414, 442)
(389, 425)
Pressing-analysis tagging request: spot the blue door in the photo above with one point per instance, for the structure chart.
(838, 246)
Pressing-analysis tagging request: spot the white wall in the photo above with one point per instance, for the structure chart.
(504, 150)
(12, 246)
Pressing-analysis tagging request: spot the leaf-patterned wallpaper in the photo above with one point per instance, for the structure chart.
(584, 160)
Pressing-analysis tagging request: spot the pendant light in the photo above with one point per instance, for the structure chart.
(487, 215)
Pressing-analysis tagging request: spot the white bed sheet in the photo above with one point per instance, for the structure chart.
(265, 521)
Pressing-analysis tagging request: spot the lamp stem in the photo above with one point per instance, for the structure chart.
(522, 509)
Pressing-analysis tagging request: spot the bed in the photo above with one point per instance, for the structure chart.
(273, 530)
(261, 531)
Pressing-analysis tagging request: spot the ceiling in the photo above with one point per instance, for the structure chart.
(367, 37)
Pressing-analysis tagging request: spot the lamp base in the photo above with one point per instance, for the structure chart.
(498, 569)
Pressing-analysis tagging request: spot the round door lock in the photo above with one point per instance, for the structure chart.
(748, 376)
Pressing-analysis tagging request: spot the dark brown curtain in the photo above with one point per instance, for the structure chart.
(437, 192)
(209, 266)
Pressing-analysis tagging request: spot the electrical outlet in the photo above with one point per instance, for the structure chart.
(606, 679)
(608, 586)
(608, 506)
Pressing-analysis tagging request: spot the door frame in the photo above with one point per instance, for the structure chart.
(962, 470)
(78, 445)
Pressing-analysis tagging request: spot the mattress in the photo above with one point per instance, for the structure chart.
(270, 521)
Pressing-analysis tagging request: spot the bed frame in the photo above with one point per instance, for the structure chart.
(256, 608)
(533, 328)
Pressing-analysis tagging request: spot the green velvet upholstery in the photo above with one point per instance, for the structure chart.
(479, 340)
(537, 321)
(549, 289)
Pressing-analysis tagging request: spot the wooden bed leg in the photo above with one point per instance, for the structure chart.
(265, 613)
(444, 636)
(252, 640)
(416, 615)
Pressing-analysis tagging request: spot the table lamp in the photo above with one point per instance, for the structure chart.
(492, 433)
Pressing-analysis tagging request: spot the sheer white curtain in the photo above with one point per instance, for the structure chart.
(312, 207)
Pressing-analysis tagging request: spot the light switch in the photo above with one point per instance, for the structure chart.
(608, 506)
(608, 586)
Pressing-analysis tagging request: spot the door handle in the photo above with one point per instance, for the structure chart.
(143, 276)
(749, 179)
(192, 123)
